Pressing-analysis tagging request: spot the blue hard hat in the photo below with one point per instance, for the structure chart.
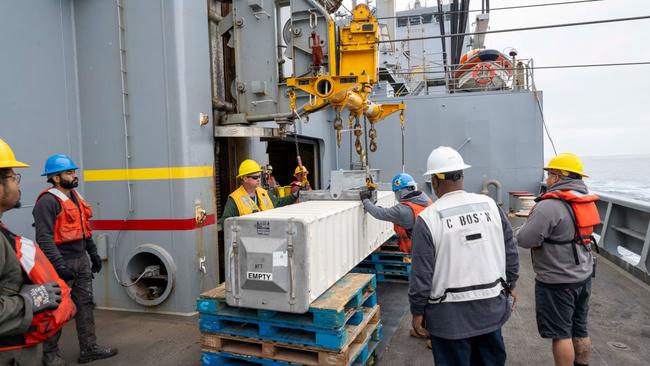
(58, 163)
(401, 181)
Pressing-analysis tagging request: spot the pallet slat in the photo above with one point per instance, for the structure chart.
(335, 339)
(333, 309)
(359, 349)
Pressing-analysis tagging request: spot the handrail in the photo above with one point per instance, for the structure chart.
(625, 233)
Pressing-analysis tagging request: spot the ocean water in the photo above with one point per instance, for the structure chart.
(623, 175)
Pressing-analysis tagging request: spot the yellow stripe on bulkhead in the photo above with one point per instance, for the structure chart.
(184, 172)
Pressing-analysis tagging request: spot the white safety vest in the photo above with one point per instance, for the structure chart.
(469, 246)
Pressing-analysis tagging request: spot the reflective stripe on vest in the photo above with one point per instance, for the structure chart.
(60, 195)
(470, 262)
(72, 223)
(404, 235)
(38, 268)
(245, 205)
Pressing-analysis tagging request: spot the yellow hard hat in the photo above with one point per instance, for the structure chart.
(247, 167)
(566, 163)
(298, 170)
(7, 157)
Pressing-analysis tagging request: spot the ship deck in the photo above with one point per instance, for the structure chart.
(619, 317)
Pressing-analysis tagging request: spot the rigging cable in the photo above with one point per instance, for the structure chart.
(636, 63)
(491, 9)
(541, 111)
(536, 27)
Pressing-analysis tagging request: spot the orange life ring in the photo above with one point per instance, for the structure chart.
(483, 73)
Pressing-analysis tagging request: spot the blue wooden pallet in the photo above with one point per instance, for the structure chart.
(386, 276)
(390, 277)
(388, 257)
(333, 309)
(361, 358)
(383, 267)
(229, 359)
(285, 332)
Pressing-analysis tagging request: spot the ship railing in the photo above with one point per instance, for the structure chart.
(624, 234)
(440, 79)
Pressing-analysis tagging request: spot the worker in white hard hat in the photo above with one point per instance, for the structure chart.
(465, 266)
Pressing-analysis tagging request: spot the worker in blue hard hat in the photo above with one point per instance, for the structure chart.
(402, 215)
(62, 221)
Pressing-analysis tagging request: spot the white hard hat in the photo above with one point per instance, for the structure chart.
(444, 159)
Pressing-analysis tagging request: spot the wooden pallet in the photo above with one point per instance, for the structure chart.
(386, 276)
(389, 257)
(357, 351)
(386, 267)
(334, 339)
(333, 309)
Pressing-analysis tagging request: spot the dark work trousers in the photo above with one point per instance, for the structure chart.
(484, 350)
(82, 296)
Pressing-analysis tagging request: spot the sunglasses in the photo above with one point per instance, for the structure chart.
(16, 177)
(256, 177)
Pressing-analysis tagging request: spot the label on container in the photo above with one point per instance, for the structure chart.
(280, 259)
(259, 276)
(263, 228)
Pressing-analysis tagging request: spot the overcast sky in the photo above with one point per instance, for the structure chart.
(589, 111)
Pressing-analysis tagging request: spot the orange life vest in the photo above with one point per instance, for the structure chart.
(584, 213)
(39, 270)
(71, 224)
(403, 235)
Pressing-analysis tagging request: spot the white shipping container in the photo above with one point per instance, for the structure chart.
(285, 258)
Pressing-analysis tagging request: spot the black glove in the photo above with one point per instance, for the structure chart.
(65, 273)
(42, 297)
(365, 194)
(96, 260)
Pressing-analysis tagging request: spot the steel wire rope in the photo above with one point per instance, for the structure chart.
(575, 66)
(535, 27)
(541, 111)
(491, 9)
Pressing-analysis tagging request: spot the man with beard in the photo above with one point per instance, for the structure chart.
(61, 217)
(34, 301)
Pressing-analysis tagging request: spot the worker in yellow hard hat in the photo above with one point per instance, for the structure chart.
(36, 302)
(301, 182)
(558, 233)
(250, 197)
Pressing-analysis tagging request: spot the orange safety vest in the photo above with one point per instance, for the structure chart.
(71, 223)
(39, 270)
(584, 213)
(403, 235)
(245, 205)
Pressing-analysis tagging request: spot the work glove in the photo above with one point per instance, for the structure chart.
(365, 194)
(42, 297)
(96, 260)
(65, 273)
(369, 194)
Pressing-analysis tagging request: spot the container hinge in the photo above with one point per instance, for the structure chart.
(291, 232)
(234, 264)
